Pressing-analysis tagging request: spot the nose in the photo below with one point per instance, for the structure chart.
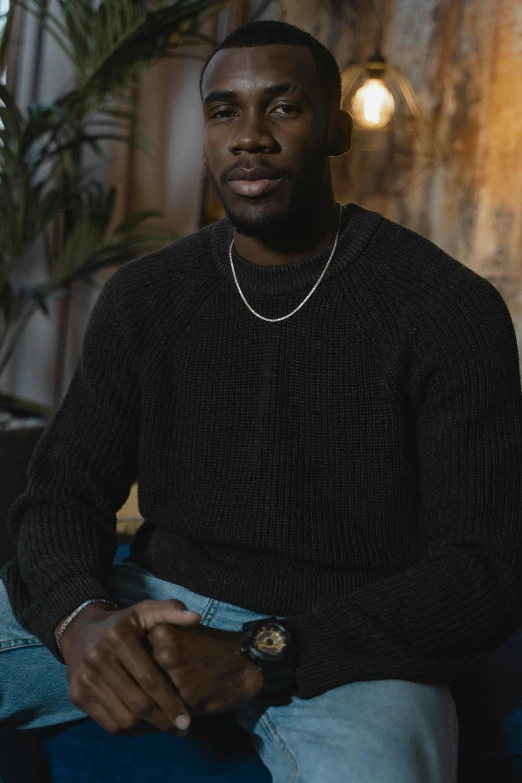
(252, 135)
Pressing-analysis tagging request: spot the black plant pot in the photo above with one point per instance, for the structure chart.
(16, 448)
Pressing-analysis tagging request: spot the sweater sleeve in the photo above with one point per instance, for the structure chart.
(79, 476)
(463, 596)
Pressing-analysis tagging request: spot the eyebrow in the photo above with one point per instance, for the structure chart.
(273, 91)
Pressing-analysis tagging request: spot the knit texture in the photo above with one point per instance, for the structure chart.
(356, 467)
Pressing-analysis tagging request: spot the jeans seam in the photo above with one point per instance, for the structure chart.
(16, 644)
(276, 738)
(209, 612)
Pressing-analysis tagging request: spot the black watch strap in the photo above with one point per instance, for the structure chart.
(279, 685)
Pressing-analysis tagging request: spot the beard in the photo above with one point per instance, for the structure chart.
(289, 221)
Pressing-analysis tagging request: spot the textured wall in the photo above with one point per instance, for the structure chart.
(464, 59)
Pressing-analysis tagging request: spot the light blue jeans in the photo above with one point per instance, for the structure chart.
(390, 731)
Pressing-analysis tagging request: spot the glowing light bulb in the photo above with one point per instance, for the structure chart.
(373, 105)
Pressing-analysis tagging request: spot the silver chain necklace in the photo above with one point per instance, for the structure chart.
(311, 292)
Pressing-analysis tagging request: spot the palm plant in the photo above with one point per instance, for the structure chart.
(48, 197)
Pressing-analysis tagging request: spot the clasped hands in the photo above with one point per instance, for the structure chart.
(205, 665)
(154, 665)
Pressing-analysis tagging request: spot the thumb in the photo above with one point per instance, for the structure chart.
(150, 613)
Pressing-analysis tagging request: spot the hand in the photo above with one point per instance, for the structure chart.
(206, 666)
(112, 678)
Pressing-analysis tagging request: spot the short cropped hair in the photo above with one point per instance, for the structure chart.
(271, 32)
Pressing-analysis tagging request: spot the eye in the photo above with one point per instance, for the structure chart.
(222, 114)
(287, 108)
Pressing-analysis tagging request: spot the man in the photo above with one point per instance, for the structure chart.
(325, 416)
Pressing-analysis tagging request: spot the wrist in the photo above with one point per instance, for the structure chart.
(268, 644)
(90, 613)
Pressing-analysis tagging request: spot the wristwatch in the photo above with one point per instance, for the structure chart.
(268, 643)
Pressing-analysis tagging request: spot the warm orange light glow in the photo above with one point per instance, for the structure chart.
(373, 105)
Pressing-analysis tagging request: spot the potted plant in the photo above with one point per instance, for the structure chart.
(50, 202)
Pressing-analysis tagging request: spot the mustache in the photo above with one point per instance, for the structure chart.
(278, 172)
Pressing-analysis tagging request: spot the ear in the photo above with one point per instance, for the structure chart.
(341, 134)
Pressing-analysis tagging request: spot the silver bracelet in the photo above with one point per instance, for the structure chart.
(71, 617)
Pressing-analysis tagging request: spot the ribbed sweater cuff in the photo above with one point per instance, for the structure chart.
(62, 600)
(320, 654)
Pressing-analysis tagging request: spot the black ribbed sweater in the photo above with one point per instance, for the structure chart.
(356, 467)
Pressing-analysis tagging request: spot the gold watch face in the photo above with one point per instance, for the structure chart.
(269, 641)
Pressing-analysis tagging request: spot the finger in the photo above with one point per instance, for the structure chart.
(140, 704)
(113, 715)
(152, 681)
(97, 691)
(98, 712)
(147, 614)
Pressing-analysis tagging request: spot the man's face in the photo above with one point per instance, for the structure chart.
(265, 136)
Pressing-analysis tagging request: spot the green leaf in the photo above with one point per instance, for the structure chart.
(6, 35)
(131, 221)
(19, 404)
(49, 22)
(7, 299)
(10, 113)
(41, 302)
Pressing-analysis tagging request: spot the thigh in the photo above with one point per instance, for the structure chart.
(391, 731)
(33, 683)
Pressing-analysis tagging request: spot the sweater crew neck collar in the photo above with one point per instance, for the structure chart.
(359, 226)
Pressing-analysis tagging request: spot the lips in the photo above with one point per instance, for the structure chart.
(251, 175)
(253, 182)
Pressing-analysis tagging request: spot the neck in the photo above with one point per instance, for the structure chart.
(318, 235)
